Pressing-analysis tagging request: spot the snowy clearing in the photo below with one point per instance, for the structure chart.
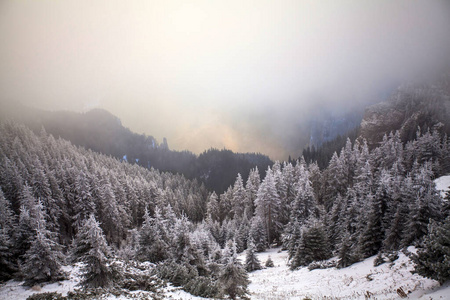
(442, 184)
(355, 282)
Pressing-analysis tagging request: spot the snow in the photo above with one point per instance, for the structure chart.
(354, 282)
(279, 282)
(442, 184)
(15, 289)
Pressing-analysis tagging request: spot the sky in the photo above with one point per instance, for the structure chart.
(242, 75)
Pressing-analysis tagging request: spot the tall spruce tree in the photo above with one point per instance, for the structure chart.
(433, 260)
(267, 207)
(252, 262)
(43, 260)
(233, 280)
(7, 228)
(90, 247)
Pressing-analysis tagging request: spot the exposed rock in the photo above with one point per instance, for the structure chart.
(410, 107)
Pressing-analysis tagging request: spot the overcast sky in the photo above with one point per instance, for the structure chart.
(244, 75)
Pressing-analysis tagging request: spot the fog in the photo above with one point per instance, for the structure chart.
(244, 75)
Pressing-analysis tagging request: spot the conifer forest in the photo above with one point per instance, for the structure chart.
(226, 149)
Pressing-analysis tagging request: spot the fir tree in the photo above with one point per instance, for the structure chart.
(43, 260)
(433, 260)
(267, 207)
(152, 246)
(90, 247)
(258, 234)
(7, 227)
(269, 263)
(233, 280)
(313, 245)
(345, 254)
(252, 262)
(371, 238)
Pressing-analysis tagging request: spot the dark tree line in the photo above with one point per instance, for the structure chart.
(100, 131)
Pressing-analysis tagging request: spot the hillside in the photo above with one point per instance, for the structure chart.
(103, 132)
(411, 107)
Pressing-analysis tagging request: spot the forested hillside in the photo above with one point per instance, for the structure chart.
(61, 199)
(100, 131)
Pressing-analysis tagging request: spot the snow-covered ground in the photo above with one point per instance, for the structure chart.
(442, 184)
(355, 282)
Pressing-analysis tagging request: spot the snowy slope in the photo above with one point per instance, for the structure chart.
(354, 282)
(442, 184)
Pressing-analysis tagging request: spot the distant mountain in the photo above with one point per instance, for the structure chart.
(411, 107)
(103, 132)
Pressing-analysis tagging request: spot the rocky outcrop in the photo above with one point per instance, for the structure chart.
(410, 107)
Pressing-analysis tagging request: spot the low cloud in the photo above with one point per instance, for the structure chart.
(245, 75)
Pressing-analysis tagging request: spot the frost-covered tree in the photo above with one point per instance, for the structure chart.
(267, 207)
(258, 234)
(233, 279)
(313, 245)
(43, 260)
(252, 187)
(269, 263)
(371, 238)
(212, 208)
(7, 228)
(90, 247)
(252, 262)
(433, 260)
(152, 246)
(239, 195)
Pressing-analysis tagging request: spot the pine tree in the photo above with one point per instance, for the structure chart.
(252, 262)
(90, 247)
(152, 246)
(233, 280)
(267, 207)
(371, 238)
(258, 234)
(7, 227)
(433, 260)
(269, 263)
(43, 260)
(239, 195)
(345, 252)
(252, 186)
(313, 245)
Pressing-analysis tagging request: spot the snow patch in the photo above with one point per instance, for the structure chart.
(442, 184)
(358, 281)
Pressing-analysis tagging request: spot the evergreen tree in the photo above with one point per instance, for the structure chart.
(252, 187)
(269, 263)
(239, 195)
(371, 238)
(251, 260)
(233, 280)
(90, 247)
(267, 207)
(7, 228)
(345, 252)
(433, 260)
(43, 260)
(152, 246)
(313, 245)
(258, 234)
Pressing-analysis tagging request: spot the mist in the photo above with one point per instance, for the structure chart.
(244, 75)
